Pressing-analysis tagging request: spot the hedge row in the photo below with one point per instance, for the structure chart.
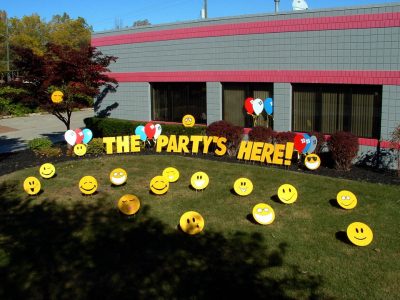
(102, 127)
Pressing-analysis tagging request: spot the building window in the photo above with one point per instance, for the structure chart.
(171, 101)
(234, 95)
(331, 108)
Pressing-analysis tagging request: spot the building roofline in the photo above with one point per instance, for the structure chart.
(247, 16)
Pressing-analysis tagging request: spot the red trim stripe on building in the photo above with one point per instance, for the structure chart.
(290, 76)
(381, 20)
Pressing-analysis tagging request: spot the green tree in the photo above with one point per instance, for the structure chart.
(29, 32)
(34, 33)
(3, 41)
(141, 23)
(69, 32)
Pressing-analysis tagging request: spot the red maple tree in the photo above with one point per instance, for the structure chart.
(81, 74)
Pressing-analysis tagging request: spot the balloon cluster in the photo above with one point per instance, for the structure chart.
(256, 106)
(148, 132)
(78, 136)
(304, 143)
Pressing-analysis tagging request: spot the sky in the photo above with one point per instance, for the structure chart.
(105, 15)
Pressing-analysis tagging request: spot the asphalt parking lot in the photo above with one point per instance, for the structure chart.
(16, 132)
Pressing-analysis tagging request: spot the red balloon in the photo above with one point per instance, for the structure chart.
(79, 136)
(300, 142)
(248, 105)
(150, 130)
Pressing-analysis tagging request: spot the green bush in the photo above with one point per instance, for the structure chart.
(40, 143)
(14, 109)
(102, 127)
(95, 146)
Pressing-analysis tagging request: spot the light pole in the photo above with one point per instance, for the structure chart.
(7, 43)
(205, 9)
(7, 46)
(276, 6)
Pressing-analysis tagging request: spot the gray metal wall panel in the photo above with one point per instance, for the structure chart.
(282, 106)
(133, 101)
(214, 102)
(390, 110)
(356, 49)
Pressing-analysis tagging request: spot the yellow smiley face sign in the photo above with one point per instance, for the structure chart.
(287, 193)
(118, 176)
(191, 222)
(171, 174)
(128, 204)
(346, 199)
(243, 186)
(32, 185)
(88, 185)
(159, 185)
(199, 180)
(312, 161)
(80, 149)
(263, 214)
(57, 96)
(359, 234)
(188, 121)
(47, 170)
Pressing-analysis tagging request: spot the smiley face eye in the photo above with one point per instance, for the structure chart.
(266, 210)
(290, 190)
(188, 221)
(259, 210)
(357, 230)
(283, 190)
(194, 220)
(362, 230)
(121, 174)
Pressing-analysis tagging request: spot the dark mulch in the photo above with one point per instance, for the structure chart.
(11, 162)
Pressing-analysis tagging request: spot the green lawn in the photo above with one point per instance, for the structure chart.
(62, 244)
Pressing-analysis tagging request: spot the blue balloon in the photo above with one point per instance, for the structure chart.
(268, 106)
(87, 135)
(313, 143)
(140, 132)
(308, 142)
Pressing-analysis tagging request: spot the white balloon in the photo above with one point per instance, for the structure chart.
(258, 106)
(313, 141)
(70, 137)
(158, 131)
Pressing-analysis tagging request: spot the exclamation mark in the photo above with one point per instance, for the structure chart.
(288, 153)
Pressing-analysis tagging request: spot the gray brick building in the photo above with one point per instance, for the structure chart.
(327, 70)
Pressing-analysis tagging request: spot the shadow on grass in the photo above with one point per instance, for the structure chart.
(89, 251)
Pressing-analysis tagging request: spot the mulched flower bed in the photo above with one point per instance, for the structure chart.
(11, 162)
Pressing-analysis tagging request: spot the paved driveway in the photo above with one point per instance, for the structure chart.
(16, 132)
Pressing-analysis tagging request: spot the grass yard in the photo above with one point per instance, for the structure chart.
(63, 245)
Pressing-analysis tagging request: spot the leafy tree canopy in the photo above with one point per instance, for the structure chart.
(80, 73)
(141, 23)
(34, 33)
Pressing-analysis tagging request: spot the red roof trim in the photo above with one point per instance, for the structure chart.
(381, 20)
(290, 76)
